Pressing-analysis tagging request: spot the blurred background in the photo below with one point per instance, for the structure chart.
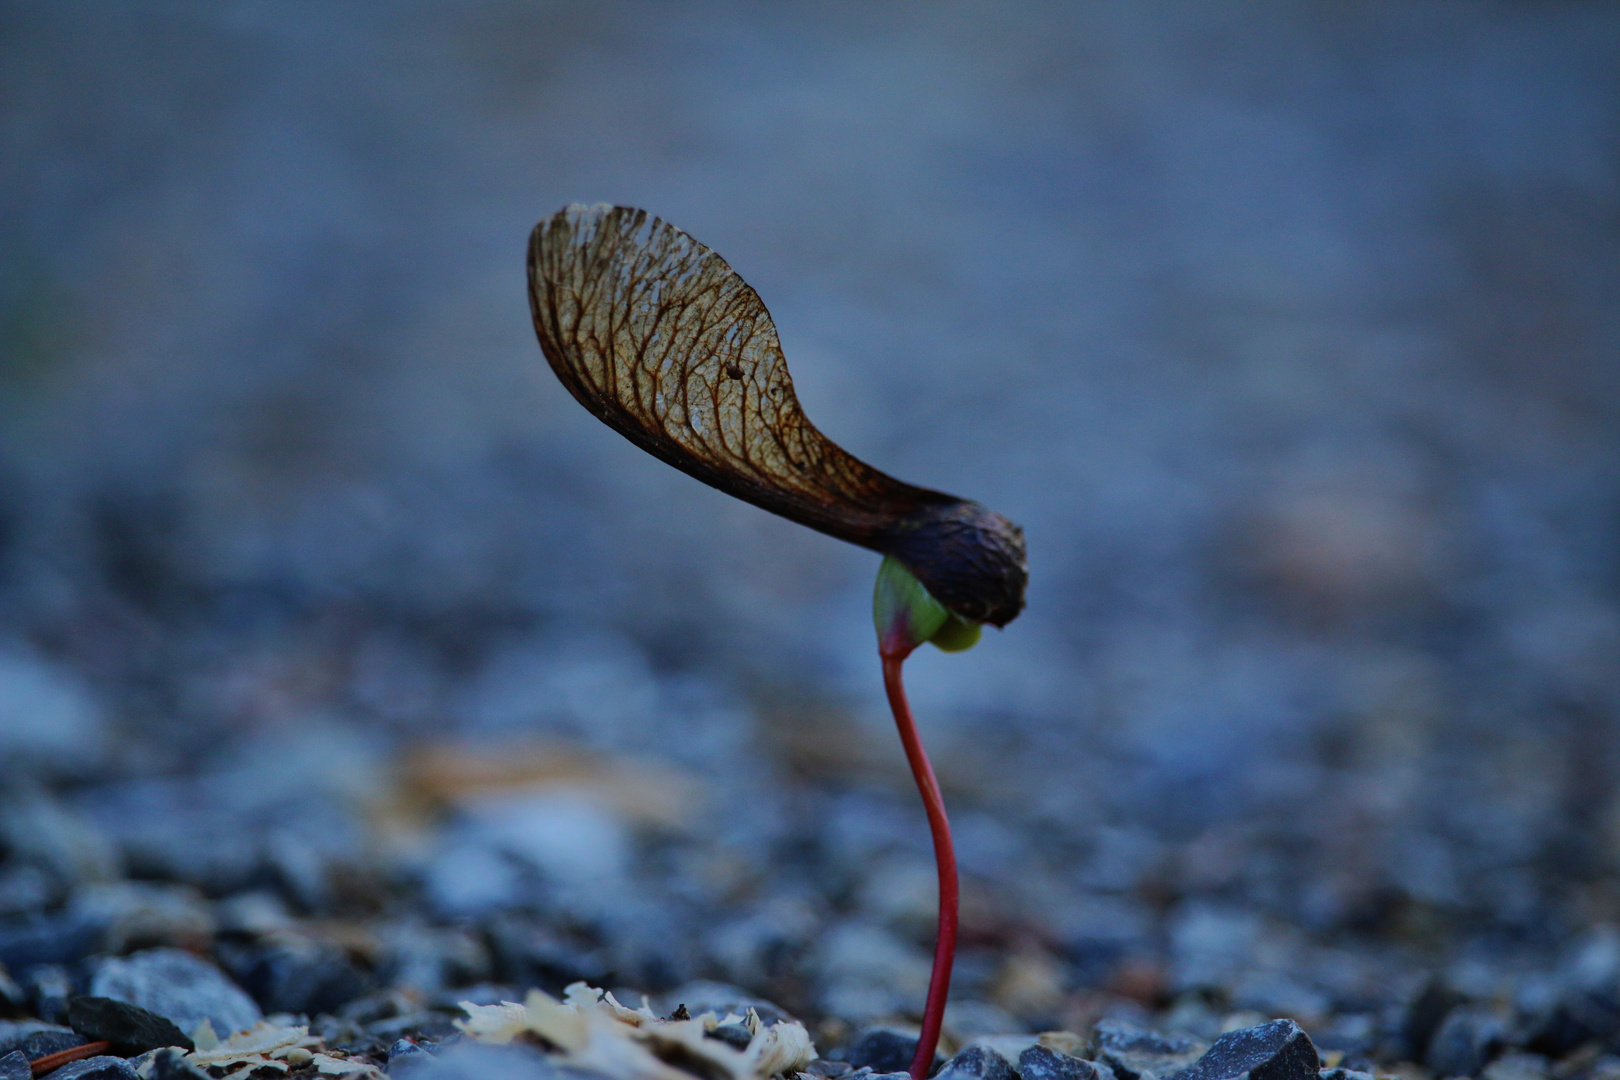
(1289, 333)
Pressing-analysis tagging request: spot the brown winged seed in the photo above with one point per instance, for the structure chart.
(662, 341)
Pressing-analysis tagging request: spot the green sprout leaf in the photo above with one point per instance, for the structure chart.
(906, 615)
(957, 634)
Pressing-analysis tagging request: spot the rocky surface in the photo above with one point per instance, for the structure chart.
(348, 671)
(342, 921)
(399, 1028)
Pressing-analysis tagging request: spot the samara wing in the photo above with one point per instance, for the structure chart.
(661, 340)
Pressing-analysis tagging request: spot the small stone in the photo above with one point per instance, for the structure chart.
(168, 1063)
(130, 915)
(1351, 1035)
(348, 1036)
(1466, 1040)
(1044, 1063)
(127, 1026)
(1344, 1074)
(96, 1068)
(179, 987)
(295, 975)
(46, 939)
(14, 1066)
(1135, 1053)
(481, 1061)
(827, 1070)
(428, 959)
(13, 998)
(1425, 1015)
(1278, 1050)
(1008, 1046)
(406, 1048)
(1064, 1042)
(380, 1005)
(883, 1050)
(526, 952)
(406, 1057)
(1517, 1067)
(50, 987)
(976, 1063)
(422, 1024)
(736, 1036)
(1577, 1017)
(1606, 1067)
(38, 829)
(969, 1021)
(50, 721)
(36, 1039)
(26, 889)
(867, 972)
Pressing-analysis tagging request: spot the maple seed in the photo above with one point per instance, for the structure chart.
(648, 329)
(659, 339)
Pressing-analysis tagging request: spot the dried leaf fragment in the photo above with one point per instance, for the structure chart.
(591, 1029)
(260, 1046)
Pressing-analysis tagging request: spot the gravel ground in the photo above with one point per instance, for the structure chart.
(301, 879)
(344, 658)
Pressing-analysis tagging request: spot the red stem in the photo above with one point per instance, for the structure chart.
(939, 984)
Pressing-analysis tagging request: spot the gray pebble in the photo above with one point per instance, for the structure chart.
(1518, 1067)
(1425, 1015)
(881, 1049)
(14, 1066)
(426, 1024)
(179, 986)
(1577, 1017)
(1279, 1050)
(13, 998)
(36, 1038)
(406, 1058)
(1135, 1053)
(976, 1063)
(45, 939)
(128, 1027)
(407, 1048)
(1466, 1040)
(295, 975)
(96, 1068)
(49, 986)
(480, 1061)
(1044, 1063)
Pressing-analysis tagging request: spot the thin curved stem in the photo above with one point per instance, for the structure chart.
(939, 984)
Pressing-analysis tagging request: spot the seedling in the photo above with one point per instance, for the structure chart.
(663, 342)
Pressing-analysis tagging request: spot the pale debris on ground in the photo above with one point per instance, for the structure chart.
(592, 1030)
(270, 1046)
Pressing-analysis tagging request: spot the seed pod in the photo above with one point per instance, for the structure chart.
(661, 340)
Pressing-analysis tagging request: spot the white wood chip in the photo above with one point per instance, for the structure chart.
(327, 1065)
(592, 1030)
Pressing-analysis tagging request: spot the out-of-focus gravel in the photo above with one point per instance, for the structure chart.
(342, 653)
